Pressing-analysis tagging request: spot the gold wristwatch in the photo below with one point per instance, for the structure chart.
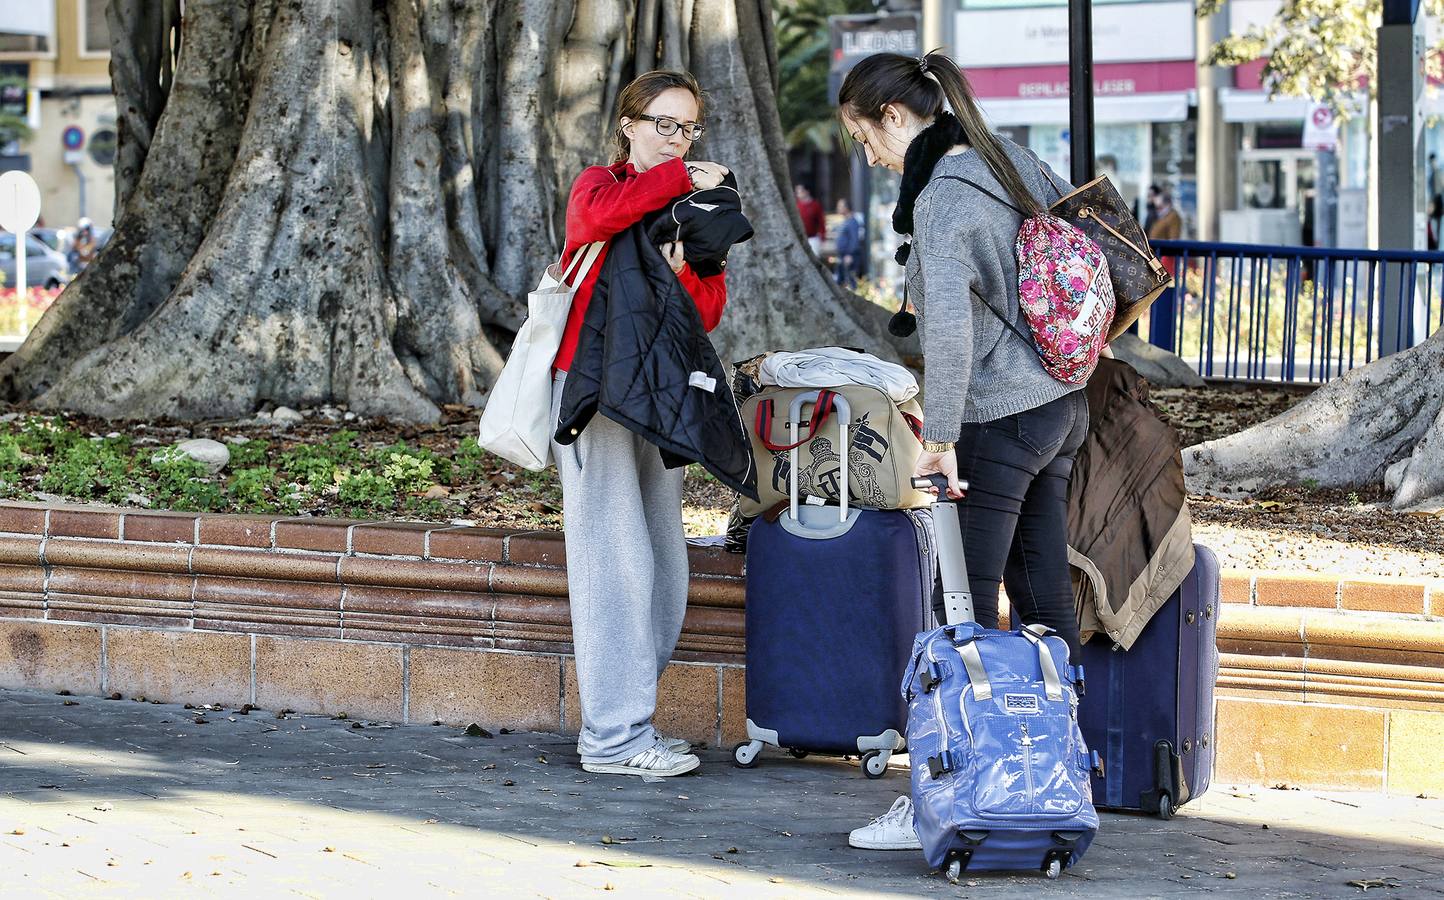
(937, 446)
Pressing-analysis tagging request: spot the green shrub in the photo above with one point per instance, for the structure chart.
(13, 460)
(471, 463)
(74, 471)
(250, 488)
(408, 473)
(363, 492)
(248, 454)
(311, 466)
(181, 483)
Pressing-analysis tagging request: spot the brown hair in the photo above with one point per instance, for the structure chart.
(637, 96)
(885, 78)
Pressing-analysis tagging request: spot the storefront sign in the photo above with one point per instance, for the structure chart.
(856, 37)
(1122, 32)
(1109, 80)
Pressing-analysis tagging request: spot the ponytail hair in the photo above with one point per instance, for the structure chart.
(927, 86)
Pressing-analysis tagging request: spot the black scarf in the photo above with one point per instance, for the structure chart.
(923, 153)
(930, 145)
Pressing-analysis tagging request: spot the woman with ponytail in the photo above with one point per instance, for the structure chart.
(992, 415)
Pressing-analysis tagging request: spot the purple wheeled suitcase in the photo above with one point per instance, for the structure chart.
(1149, 710)
(834, 598)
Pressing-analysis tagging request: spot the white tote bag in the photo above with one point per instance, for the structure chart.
(516, 423)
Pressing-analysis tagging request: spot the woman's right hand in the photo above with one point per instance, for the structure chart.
(706, 175)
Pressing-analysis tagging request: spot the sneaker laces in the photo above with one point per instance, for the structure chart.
(655, 757)
(902, 808)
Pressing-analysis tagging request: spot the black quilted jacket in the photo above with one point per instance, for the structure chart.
(707, 222)
(644, 361)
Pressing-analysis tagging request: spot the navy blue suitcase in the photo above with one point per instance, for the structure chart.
(1149, 710)
(834, 599)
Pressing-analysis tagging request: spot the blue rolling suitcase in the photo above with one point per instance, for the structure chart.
(1149, 709)
(834, 598)
(1000, 768)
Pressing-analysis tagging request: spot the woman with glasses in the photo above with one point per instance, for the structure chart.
(622, 509)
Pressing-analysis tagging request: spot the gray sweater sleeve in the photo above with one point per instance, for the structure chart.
(947, 339)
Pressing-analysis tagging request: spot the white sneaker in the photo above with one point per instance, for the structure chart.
(656, 760)
(676, 745)
(893, 830)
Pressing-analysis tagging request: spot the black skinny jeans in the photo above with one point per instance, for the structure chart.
(1015, 517)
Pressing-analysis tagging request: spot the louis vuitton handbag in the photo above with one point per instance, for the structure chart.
(1099, 211)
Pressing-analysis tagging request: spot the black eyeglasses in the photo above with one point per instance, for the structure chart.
(667, 127)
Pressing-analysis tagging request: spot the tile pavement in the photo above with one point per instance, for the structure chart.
(124, 798)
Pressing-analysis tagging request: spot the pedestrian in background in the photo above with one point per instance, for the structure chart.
(814, 220)
(849, 245)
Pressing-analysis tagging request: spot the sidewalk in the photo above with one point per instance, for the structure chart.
(120, 798)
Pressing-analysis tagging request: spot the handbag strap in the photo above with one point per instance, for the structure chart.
(582, 263)
(1048, 177)
(820, 412)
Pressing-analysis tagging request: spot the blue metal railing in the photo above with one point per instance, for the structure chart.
(1305, 314)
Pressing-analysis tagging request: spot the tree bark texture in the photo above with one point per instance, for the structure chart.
(1382, 423)
(346, 201)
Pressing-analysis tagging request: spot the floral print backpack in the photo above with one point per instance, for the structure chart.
(1065, 291)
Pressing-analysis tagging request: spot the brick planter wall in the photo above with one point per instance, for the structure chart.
(1325, 682)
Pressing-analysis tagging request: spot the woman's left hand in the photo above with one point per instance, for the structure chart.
(673, 254)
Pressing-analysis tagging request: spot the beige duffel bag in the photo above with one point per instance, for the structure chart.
(883, 447)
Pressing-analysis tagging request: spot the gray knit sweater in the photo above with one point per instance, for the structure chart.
(977, 370)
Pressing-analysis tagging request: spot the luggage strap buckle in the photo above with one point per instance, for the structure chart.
(1098, 768)
(931, 676)
(942, 763)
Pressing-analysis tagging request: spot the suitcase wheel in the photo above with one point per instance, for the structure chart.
(744, 755)
(874, 763)
(1165, 806)
(797, 753)
(1055, 868)
(954, 871)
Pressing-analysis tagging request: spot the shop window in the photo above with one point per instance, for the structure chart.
(24, 45)
(94, 29)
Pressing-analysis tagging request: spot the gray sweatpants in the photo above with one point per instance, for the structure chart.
(627, 578)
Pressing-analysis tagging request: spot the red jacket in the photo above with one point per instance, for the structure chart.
(607, 200)
(814, 220)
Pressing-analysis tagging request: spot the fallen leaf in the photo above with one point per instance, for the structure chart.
(508, 783)
(18, 831)
(333, 849)
(71, 703)
(475, 730)
(115, 696)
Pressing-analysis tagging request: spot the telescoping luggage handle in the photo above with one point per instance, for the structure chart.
(824, 402)
(952, 565)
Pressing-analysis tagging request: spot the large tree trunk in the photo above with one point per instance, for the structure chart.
(346, 200)
(1383, 422)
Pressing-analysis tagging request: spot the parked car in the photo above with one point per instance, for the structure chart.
(56, 239)
(44, 267)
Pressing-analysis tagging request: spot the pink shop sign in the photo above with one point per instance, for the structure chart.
(1109, 80)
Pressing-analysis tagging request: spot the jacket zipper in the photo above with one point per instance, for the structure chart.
(688, 200)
